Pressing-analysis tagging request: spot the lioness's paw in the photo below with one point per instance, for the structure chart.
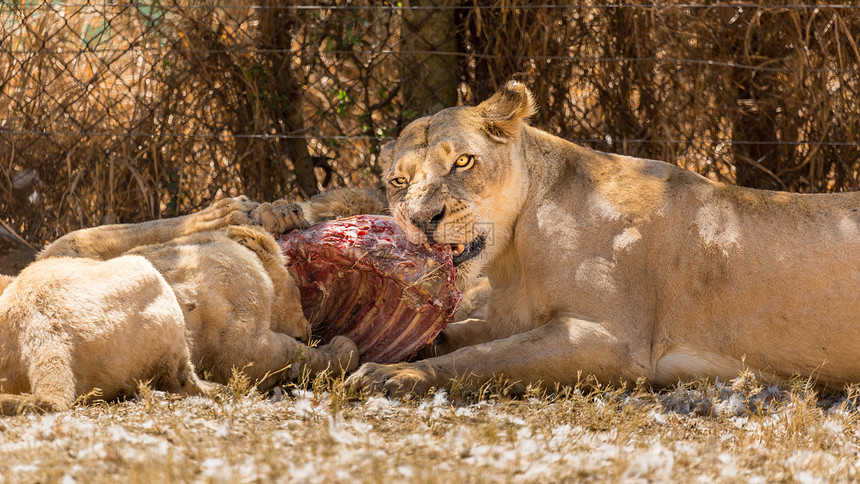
(342, 353)
(225, 212)
(279, 217)
(393, 380)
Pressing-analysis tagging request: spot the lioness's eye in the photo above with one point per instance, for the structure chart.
(464, 162)
(398, 182)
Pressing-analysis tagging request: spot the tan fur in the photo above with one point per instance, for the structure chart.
(620, 267)
(283, 215)
(343, 202)
(5, 281)
(62, 322)
(474, 302)
(238, 307)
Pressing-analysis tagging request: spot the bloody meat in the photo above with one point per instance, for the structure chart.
(359, 277)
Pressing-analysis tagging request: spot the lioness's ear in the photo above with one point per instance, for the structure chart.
(506, 110)
(386, 157)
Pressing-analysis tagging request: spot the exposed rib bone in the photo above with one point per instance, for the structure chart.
(361, 278)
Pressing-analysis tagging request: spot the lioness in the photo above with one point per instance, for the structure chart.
(615, 266)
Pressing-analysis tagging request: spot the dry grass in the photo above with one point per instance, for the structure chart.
(740, 431)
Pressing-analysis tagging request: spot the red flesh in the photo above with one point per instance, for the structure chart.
(359, 277)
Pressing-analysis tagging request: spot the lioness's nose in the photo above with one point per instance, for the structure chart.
(427, 219)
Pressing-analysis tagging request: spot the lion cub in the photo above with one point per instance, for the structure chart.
(68, 326)
(241, 309)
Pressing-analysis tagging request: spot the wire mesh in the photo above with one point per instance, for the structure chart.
(128, 111)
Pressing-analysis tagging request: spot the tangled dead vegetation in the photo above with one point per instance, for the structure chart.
(124, 112)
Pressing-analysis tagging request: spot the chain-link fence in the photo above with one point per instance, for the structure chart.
(123, 111)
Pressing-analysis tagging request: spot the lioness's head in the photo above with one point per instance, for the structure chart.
(459, 178)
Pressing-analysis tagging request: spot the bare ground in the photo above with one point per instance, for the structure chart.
(739, 431)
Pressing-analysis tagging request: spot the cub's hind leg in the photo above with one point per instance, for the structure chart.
(239, 313)
(270, 358)
(286, 314)
(49, 374)
(272, 347)
(340, 355)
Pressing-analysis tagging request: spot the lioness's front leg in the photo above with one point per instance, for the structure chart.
(109, 241)
(461, 334)
(562, 351)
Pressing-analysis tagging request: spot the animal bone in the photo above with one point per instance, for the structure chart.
(359, 277)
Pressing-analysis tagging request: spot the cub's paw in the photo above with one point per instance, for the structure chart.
(342, 354)
(224, 212)
(394, 380)
(256, 239)
(212, 389)
(279, 217)
(198, 387)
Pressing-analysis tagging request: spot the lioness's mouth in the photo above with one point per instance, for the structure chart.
(464, 252)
